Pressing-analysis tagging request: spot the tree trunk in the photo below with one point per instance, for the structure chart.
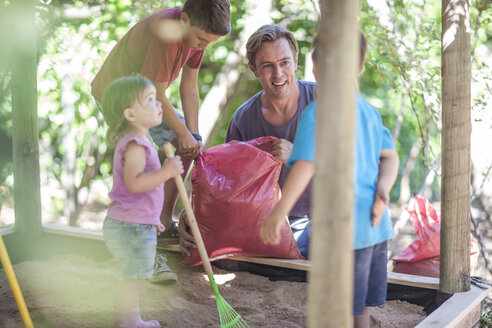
(456, 130)
(27, 196)
(330, 290)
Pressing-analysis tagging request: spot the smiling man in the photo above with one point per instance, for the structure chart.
(274, 111)
(159, 47)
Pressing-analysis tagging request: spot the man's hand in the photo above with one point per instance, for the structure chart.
(381, 201)
(186, 240)
(187, 146)
(281, 150)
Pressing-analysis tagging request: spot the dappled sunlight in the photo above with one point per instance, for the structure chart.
(221, 279)
(453, 14)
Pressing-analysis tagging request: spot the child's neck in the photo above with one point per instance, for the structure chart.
(142, 133)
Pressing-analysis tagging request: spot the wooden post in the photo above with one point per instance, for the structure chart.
(456, 130)
(27, 199)
(331, 278)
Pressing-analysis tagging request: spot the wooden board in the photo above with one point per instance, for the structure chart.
(461, 310)
(305, 265)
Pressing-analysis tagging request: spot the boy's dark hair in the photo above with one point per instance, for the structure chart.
(362, 48)
(214, 16)
(269, 33)
(118, 96)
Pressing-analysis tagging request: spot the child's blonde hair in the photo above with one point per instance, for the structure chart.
(118, 96)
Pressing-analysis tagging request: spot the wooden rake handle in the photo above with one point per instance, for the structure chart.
(168, 149)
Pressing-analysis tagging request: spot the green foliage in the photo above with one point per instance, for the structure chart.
(486, 320)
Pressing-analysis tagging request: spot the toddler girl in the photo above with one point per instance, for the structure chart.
(130, 109)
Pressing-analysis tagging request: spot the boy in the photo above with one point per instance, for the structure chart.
(159, 47)
(376, 169)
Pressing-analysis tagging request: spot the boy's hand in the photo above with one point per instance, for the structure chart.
(187, 145)
(281, 150)
(381, 201)
(270, 228)
(173, 166)
(160, 228)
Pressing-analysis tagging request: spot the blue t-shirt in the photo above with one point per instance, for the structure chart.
(370, 137)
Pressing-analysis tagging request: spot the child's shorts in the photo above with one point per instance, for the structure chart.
(163, 133)
(370, 276)
(133, 245)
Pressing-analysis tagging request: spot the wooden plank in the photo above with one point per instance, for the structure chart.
(461, 310)
(413, 280)
(73, 231)
(305, 265)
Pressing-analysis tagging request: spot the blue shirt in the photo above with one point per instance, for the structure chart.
(371, 136)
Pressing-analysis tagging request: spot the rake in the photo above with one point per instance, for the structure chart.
(9, 271)
(227, 315)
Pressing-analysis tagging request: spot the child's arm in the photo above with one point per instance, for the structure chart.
(299, 176)
(188, 91)
(136, 180)
(388, 171)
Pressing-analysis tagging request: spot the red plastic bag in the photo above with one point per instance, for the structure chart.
(427, 226)
(422, 256)
(235, 186)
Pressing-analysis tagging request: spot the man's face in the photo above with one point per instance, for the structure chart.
(275, 66)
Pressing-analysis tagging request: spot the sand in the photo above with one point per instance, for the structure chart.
(75, 291)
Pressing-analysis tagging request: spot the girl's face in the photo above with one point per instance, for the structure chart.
(146, 112)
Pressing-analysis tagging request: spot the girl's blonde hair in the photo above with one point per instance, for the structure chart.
(118, 96)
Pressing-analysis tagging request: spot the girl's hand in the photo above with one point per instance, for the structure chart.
(173, 166)
(270, 228)
(160, 228)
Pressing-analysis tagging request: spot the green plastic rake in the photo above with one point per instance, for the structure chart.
(227, 315)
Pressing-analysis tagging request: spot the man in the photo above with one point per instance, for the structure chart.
(272, 54)
(159, 47)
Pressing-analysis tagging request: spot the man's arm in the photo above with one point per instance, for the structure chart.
(388, 172)
(186, 142)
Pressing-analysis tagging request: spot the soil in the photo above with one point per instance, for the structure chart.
(75, 291)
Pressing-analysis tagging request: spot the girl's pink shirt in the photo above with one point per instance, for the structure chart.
(143, 208)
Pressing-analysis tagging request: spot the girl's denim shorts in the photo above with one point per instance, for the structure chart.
(133, 245)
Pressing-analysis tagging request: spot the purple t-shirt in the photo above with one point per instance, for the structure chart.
(140, 51)
(143, 208)
(248, 123)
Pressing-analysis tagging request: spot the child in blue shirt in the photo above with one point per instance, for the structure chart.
(375, 171)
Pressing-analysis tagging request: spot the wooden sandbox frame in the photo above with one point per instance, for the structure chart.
(460, 310)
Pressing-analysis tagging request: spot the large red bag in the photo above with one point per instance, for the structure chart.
(235, 186)
(422, 257)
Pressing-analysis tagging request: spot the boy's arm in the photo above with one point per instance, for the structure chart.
(190, 99)
(136, 180)
(388, 172)
(299, 176)
(186, 142)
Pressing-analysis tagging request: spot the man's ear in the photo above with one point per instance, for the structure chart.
(253, 69)
(129, 115)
